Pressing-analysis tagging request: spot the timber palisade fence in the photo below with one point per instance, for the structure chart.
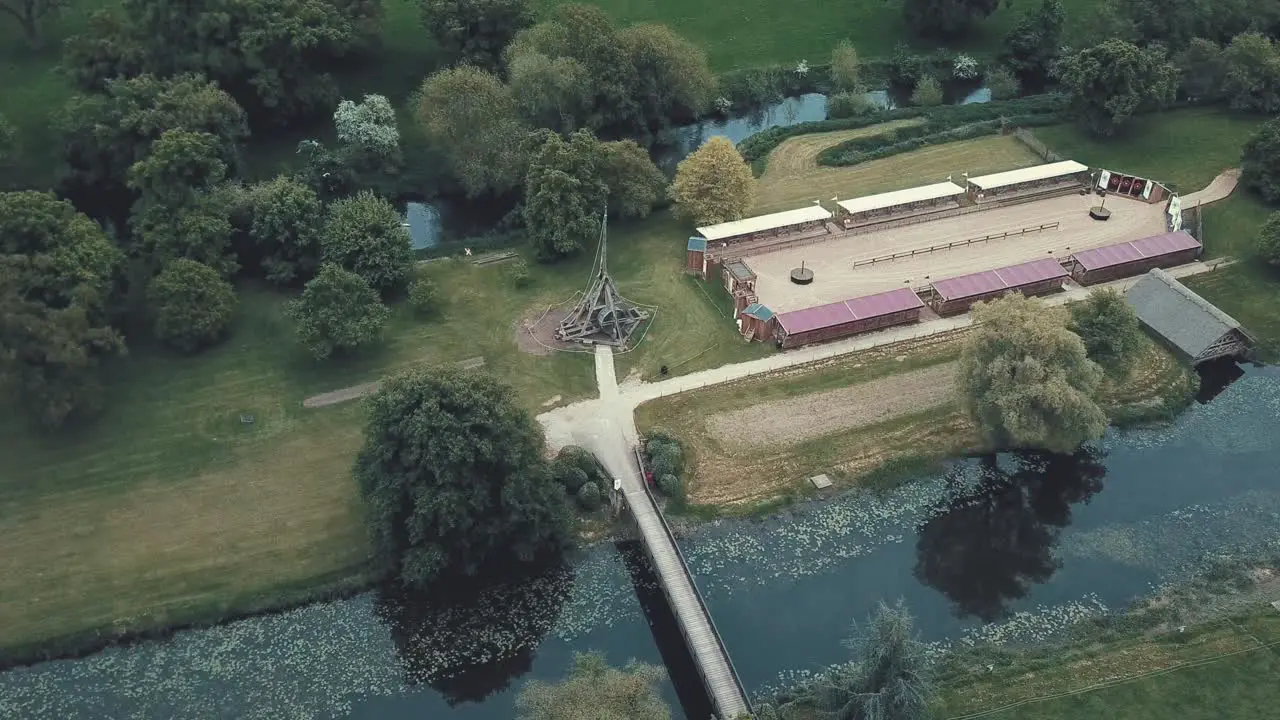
(702, 605)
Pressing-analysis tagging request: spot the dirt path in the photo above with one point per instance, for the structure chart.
(793, 420)
(339, 396)
(1219, 189)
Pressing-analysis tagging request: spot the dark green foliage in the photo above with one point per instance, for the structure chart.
(179, 164)
(192, 303)
(945, 18)
(8, 139)
(589, 496)
(1003, 84)
(889, 677)
(1204, 71)
(574, 466)
(862, 150)
(57, 268)
(285, 229)
(338, 313)
(365, 235)
(1260, 162)
(269, 54)
(928, 92)
(1033, 45)
(670, 486)
(1112, 81)
(198, 229)
(1268, 246)
(453, 477)
(31, 16)
(518, 273)
(635, 184)
(1110, 331)
(476, 31)
(564, 194)
(1252, 80)
(847, 105)
(424, 297)
(906, 67)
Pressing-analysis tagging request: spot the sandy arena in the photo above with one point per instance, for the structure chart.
(832, 260)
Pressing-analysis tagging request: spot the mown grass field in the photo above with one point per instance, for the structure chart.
(793, 177)
(167, 509)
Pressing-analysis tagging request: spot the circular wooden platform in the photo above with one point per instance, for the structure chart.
(801, 275)
(1099, 213)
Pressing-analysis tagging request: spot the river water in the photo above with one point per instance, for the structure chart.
(999, 549)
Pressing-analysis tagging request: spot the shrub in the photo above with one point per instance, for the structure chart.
(928, 92)
(906, 68)
(574, 466)
(422, 296)
(1002, 84)
(518, 273)
(573, 478)
(1269, 241)
(589, 496)
(852, 104)
(964, 68)
(669, 485)
(193, 304)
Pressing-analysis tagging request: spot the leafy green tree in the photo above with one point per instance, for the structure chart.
(1252, 80)
(846, 70)
(368, 133)
(106, 135)
(1032, 47)
(672, 78)
(365, 235)
(595, 690)
(476, 31)
(193, 305)
(285, 229)
(518, 273)
(549, 92)
(1003, 84)
(31, 16)
(472, 116)
(179, 164)
(635, 183)
(1260, 161)
(198, 228)
(928, 92)
(714, 184)
(1110, 82)
(1110, 331)
(1204, 70)
(453, 476)
(945, 18)
(889, 677)
(564, 194)
(424, 297)
(338, 313)
(57, 268)
(1268, 244)
(1027, 380)
(270, 54)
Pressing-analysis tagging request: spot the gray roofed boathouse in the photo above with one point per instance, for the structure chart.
(1188, 323)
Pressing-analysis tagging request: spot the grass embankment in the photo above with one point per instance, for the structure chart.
(1221, 670)
(168, 510)
(793, 178)
(744, 470)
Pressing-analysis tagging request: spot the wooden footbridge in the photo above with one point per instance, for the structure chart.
(699, 631)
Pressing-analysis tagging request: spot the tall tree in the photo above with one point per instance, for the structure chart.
(192, 304)
(454, 478)
(285, 229)
(1260, 161)
(269, 54)
(476, 31)
(549, 92)
(366, 235)
(593, 689)
(368, 133)
(564, 194)
(197, 228)
(672, 80)
(1268, 242)
(1252, 80)
(635, 183)
(846, 70)
(1109, 328)
(1110, 82)
(714, 184)
(1032, 47)
(57, 268)
(1204, 70)
(946, 18)
(472, 116)
(889, 677)
(1026, 380)
(179, 164)
(31, 16)
(338, 313)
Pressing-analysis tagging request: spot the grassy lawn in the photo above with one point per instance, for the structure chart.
(1217, 671)
(793, 178)
(1250, 293)
(1187, 148)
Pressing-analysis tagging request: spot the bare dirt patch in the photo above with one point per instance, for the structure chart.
(340, 396)
(792, 420)
(536, 332)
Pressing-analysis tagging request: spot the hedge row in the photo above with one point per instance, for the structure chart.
(862, 150)
(762, 143)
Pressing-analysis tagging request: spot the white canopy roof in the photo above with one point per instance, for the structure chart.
(901, 197)
(1031, 174)
(760, 223)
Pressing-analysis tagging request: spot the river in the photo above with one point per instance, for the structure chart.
(1005, 549)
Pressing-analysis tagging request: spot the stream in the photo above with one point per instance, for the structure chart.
(1005, 549)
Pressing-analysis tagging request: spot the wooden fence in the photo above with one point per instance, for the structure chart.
(955, 244)
(1026, 137)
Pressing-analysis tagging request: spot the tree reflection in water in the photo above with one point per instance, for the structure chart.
(990, 541)
(474, 639)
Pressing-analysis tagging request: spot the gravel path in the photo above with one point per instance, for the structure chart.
(793, 420)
